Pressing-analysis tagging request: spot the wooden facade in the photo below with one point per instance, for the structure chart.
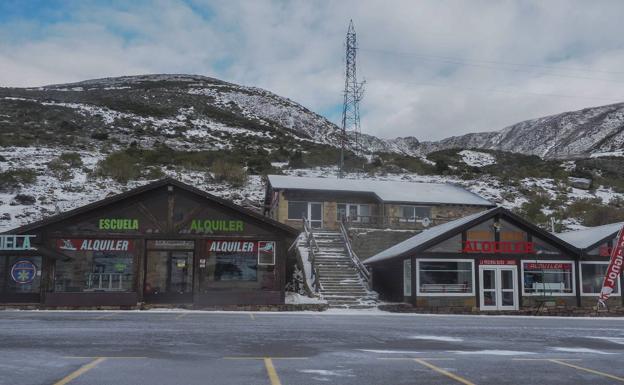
(493, 261)
(163, 243)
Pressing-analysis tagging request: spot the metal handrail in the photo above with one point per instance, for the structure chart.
(312, 248)
(364, 273)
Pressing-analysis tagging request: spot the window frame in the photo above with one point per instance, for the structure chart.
(585, 294)
(421, 294)
(358, 211)
(552, 294)
(307, 204)
(413, 218)
(407, 283)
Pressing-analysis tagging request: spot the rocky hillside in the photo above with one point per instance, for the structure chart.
(184, 111)
(64, 146)
(596, 131)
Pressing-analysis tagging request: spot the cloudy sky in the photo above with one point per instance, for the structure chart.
(433, 69)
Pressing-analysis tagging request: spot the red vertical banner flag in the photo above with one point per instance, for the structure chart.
(614, 269)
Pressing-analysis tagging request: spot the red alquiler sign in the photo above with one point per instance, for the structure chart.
(504, 247)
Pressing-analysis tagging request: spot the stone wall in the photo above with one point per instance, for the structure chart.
(368, 242)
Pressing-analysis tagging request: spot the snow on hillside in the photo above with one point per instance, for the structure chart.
(476, 158)
(53, 196)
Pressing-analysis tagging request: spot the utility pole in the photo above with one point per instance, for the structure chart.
(352, 95)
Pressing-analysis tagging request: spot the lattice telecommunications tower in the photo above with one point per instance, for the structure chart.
(353, 92)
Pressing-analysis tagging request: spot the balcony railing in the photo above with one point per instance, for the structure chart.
(378, 221)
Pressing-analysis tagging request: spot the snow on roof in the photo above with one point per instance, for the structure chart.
(585, 238)
(387, 191)
(423, 237)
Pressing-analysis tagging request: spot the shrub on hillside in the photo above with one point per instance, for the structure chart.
(62, 167)
(14, 178)
(232, 173)
(119, 166)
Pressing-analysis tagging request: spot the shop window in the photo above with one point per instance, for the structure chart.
(451, 245)
(592, 277)
(407, 277)
(95, 265)
(548, 278)
(511, 233)
(297, 210)
(232, 261)
(603, 250)
(353, 212)
(543, 247)
(445, 277)
(20, 274)
(412, 213)
(482, 232)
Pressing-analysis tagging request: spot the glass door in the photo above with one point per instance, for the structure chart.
(169, 272)
(498, 287)
(315, 213)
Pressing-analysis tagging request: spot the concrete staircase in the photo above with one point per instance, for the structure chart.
(339, 279)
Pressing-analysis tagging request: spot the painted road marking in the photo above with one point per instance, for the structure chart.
(545, 359)
(251, 315)
(268, 363)
(599, 373)
(83, 369)
(455, 377)
(182, 315)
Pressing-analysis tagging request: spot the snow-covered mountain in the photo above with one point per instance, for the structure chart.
(184, 111)
(578, 134)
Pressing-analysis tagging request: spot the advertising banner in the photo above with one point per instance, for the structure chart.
(614, 269)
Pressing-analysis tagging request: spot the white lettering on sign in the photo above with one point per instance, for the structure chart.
(104, 245)
(15, 242)
(232, 246)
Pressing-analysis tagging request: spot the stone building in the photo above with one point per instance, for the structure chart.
(367, 203)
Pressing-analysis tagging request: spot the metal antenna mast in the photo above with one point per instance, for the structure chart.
(353, 92)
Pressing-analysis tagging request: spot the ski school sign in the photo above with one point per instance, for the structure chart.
(15, 242)
(614, 269)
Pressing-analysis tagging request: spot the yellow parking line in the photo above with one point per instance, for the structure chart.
(268, 363)
(444, 372)
(611, 376)
(83, 369)
(252, 316)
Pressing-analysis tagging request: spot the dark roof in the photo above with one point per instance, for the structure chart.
(148, 187)
(440, 233)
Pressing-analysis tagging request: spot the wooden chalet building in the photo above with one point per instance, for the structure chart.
(165, 242)
(492, 260)
(594, 247)
(367, 203)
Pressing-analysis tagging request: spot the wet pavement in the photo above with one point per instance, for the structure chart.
(130, 348)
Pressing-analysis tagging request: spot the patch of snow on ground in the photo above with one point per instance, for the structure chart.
(378, 351)
(581, 350)
(603, 154)
(298, 299)
(477, 158)
(492, 352)
(436, 338)
(615, 340)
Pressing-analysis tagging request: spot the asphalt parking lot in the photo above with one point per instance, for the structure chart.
(130, 348)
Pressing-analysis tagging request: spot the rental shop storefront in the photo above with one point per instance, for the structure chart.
(493, 260)
(163, 243)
